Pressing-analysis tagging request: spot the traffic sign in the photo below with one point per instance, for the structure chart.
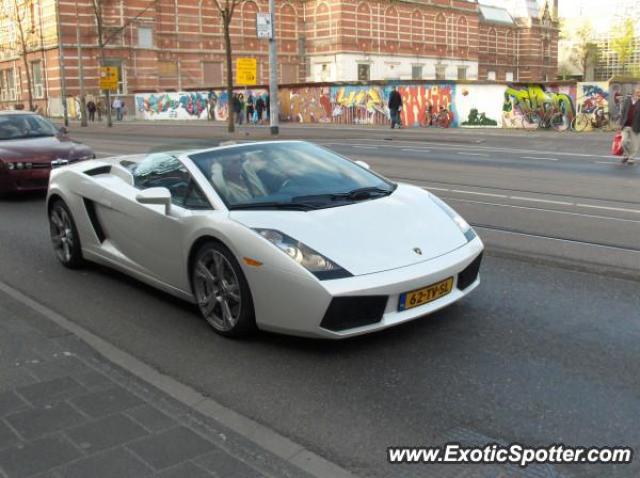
(264, 25)
(246, 71)
(109, 78)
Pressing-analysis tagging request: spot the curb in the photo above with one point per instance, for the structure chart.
(260, 435)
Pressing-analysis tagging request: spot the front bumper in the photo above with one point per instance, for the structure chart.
(24, 180)
(304, 304)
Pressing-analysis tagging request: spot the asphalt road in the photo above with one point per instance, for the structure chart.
(541, 353)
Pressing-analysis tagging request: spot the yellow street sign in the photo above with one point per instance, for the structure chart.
(246, 71)
(109, 78)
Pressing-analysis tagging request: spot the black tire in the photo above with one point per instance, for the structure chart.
(206, 287)
(70, 255)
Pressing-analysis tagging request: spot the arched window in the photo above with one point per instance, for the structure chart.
(323, 21)
(286, 22)
(492, 41)
(391, 25)
(417, 29)
(248, 14)
(363, 24)
(463, 32)
(440, 29)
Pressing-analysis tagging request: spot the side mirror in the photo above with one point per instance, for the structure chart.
(363, 164)
(63, 130)
(156, 196)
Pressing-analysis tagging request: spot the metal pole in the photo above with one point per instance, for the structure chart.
(63, 88)
(273, 72)
(83, 100)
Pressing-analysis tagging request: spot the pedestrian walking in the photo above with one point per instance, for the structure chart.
(267, 103)
(395, 106)
(237, 108)
(212, 101)
(260, 107)
(91, 108)
(117, 106)
(100, 109)
(630, 126)
(250, 108)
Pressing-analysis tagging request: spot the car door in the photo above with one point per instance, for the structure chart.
(151, 238)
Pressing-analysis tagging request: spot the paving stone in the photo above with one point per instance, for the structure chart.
(51, 390)
(35, 422)
(151, 418)
(10, 402)
(184, 470)
(105, 433)
(105, 402)
(7, 436)
(93, 380)
(171, 447)
(12, 377)
(37, 456)
(61, 366)
(223, 465)
(116, 463)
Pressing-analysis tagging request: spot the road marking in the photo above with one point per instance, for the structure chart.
(479, 193)
(538, 157)
(362, 146)
(607, 162)
(548, 201)
(610, 208)
(464, 153)
(436, 189)
(416, 150)
(554, 211)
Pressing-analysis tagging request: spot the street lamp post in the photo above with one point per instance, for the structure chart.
(83, 100)
(273, 72)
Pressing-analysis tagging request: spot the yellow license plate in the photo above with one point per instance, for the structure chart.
(412, 299)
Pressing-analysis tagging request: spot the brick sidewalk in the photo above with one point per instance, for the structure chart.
(66, 412)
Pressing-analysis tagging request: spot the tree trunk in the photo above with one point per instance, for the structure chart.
(23, 45)
(226, 20)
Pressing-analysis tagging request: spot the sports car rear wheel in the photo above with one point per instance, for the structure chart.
(222, 292)
(64, 235)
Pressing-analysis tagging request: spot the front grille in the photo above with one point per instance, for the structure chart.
(469, 275)
(350, 312)
(41, 165)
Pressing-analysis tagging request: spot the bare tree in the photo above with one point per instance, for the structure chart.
(226, 8)
(104, 39)
(15, 14)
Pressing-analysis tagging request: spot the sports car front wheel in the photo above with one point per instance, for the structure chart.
(64, 235)
(222, 292)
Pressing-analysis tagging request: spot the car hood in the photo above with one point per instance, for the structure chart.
(43, 149)
(368, 236)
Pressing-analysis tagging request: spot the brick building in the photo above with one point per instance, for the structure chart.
(172, 45)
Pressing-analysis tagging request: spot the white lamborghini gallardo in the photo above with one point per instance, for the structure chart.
(283, 236)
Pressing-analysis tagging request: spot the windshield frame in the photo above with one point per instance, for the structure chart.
(192, 157)
(26, 117)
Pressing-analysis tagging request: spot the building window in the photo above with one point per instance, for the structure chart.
(441, 72)
(491, 75)
(4, 92)
(145, 37)
(212, 73)
(36, 79)
(416, 72)
(324, 72)
(167, 69)
(364, 72)
(289, 73)
(508, 76)
(462, 72)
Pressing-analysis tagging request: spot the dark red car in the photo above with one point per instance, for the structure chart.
(29, 144)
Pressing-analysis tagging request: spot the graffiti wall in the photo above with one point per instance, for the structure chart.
(618, 91)
(538, 106)
(560, 107)
(592, 106)
(189, 105)
(479, 106)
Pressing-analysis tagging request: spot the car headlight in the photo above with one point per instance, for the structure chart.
(319, 265)
(464, 226)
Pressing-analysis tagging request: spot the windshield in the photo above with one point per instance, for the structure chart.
(25, 126)
(290, 175)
